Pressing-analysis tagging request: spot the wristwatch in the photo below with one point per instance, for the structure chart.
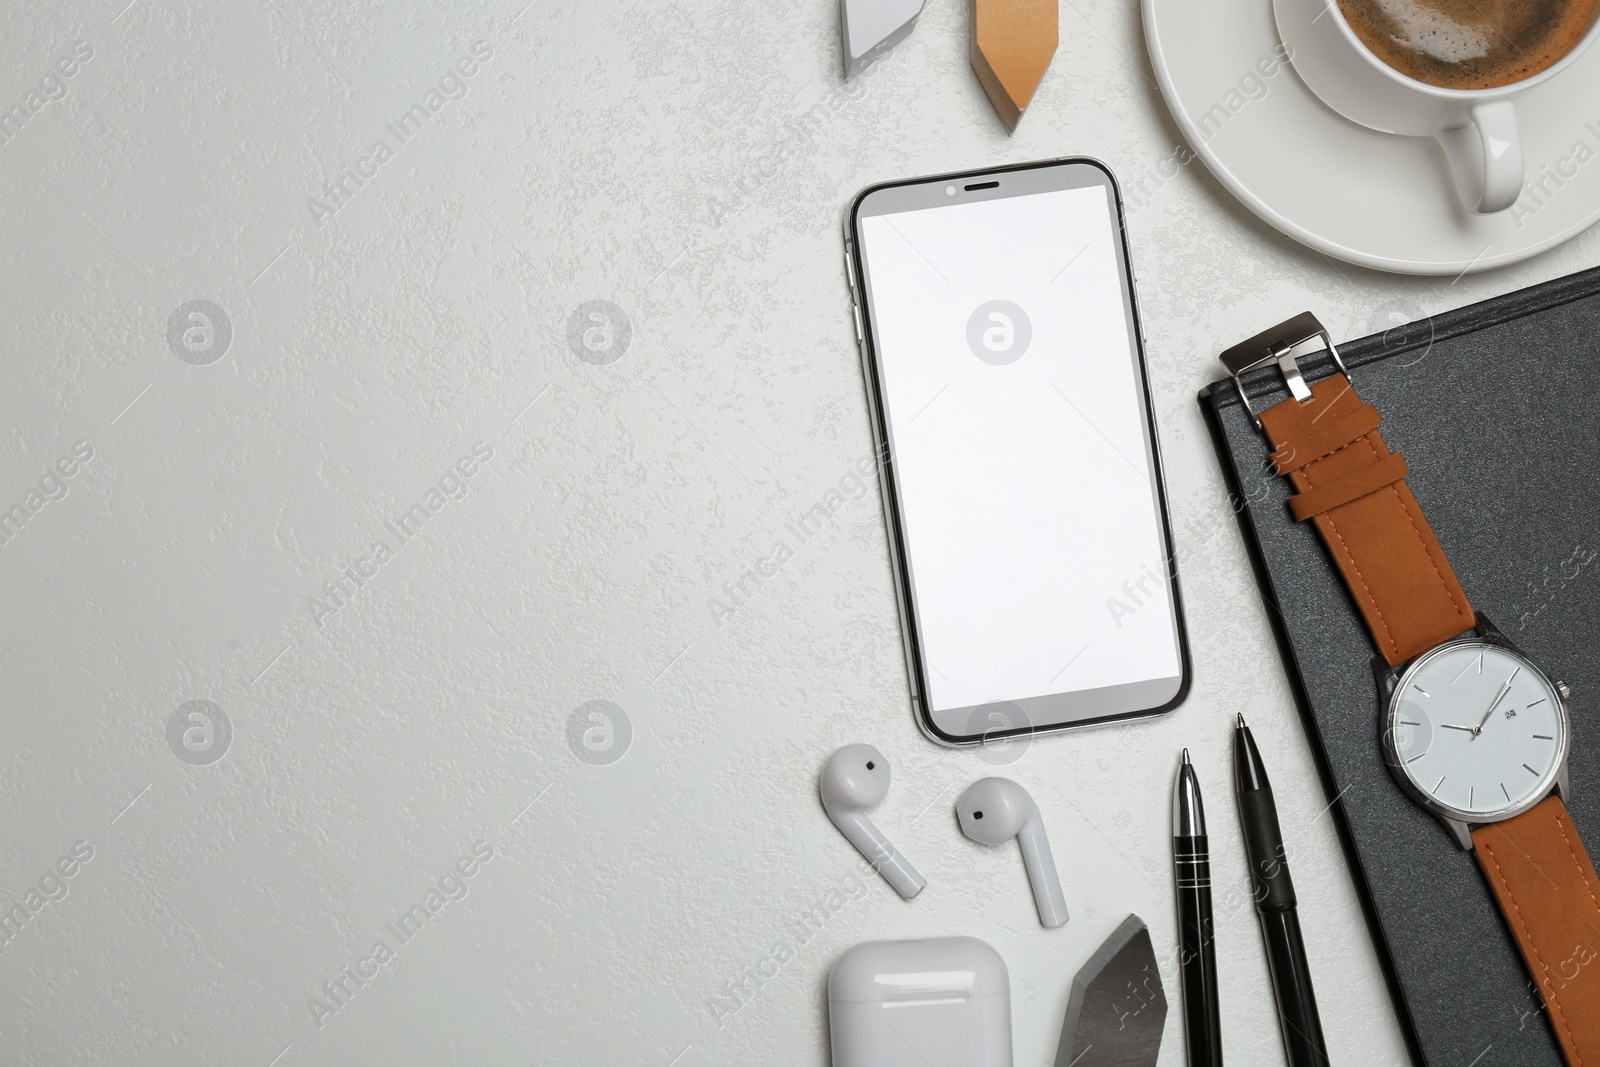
(1471, 728)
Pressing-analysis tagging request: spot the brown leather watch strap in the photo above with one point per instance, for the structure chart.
(1353, 489)
(1548, 892)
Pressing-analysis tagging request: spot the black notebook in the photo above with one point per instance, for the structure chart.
(1496, 408)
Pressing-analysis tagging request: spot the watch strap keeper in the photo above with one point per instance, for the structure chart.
(1353, 490)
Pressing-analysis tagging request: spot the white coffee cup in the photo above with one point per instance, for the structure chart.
(1476, 127)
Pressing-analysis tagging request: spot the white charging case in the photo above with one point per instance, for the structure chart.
(940, 1002)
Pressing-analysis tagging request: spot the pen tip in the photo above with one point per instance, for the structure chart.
(1241, 720)
(1186, 755)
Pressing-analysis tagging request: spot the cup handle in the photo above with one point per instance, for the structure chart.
(1486, 155)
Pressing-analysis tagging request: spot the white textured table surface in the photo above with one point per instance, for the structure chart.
(689, 163)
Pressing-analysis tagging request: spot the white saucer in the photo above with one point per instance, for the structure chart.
(1369, 198)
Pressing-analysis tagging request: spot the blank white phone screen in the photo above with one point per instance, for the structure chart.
(1014, 404)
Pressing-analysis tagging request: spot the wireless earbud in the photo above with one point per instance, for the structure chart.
(993, 811)
(857, 778)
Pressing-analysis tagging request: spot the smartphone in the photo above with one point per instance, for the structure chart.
(1019, 464)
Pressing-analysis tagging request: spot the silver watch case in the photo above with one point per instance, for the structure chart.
(1460, 823)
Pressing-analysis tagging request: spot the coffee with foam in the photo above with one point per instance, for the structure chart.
(1470, 44)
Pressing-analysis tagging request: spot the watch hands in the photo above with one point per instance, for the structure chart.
(1498, 697)
(1504, 689)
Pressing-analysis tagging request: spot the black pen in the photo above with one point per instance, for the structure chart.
(1275, 904)
(1197, 957)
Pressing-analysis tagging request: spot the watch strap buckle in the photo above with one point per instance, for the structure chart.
(1277, 345)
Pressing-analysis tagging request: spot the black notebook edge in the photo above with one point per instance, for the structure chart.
(1264, 383)
(1421, 333)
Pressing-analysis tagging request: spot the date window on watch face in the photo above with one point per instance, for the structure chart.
(1478, 730)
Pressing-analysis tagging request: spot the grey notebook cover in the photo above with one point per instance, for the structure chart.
(1496, 407)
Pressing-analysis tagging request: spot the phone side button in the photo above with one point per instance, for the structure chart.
(856, 310)
(849, 268)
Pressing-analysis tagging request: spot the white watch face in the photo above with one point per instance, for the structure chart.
(1478, 729)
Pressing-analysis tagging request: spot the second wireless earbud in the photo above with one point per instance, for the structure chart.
(857, 778)
(993, 811)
